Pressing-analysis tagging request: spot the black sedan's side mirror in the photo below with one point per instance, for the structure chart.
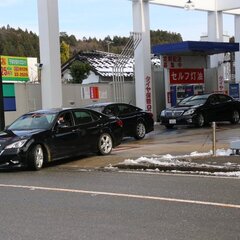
(62, 125)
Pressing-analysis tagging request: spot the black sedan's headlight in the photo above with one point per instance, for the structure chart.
(17, 144)
(163, 113)
(189, 112)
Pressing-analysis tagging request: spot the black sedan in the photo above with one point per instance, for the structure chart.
(136, 122)
(200, 110)
(46, 135)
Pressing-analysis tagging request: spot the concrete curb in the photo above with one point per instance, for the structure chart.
(192, 164)
(179, 168)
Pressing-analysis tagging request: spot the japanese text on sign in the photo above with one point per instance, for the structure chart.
(14, 68)
(221, 83)
(172, 61)
(148, 91)
(186, 76)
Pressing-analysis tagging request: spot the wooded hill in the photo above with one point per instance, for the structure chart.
(16, 42)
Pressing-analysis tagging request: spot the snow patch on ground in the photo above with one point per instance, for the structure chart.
(184, 160)
(169, 159)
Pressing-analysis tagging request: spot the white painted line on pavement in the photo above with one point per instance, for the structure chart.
(215, 204)
(195, 175)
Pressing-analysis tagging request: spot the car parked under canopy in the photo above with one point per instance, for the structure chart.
(43, 136)
(136, 122)
(200, 110)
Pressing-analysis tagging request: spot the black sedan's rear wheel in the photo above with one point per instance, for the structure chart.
(140, 131)
(105, 144)
(200, 120)
(235, 117)
(36, 157)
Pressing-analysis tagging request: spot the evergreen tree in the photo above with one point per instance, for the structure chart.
(79, 71)
(16, 42)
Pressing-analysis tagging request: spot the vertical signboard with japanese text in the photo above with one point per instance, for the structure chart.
(148, 92)
(14, 68)
(221, 85)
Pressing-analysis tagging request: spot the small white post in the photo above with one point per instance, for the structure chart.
(214, 138)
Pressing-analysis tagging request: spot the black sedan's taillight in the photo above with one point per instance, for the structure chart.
(150, 114)
(119, 122)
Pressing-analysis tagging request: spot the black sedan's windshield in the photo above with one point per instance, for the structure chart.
(33, 121)
(194, 100)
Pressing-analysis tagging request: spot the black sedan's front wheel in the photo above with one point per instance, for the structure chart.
(200, 120)
(36, 157)
(105, 144)
(235, 117)
(140, 131)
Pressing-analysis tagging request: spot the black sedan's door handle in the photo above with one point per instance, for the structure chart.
(76, 130)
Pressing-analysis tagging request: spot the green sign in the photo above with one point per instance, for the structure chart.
(14, 68)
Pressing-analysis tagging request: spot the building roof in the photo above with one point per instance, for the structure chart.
(103, 63)
(195, 48)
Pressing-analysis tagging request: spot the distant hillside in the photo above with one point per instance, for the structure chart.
(16, 42)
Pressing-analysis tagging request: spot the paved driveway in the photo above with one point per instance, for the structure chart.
(177, 141)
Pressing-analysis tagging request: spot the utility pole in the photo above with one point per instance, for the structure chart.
(108, 45)
(2, 118)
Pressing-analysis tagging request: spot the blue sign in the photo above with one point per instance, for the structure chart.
(9, 104)
(234, 90)
(173, 95)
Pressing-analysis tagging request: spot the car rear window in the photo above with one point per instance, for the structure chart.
(82, 117)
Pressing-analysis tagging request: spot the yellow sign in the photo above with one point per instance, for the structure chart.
(14, 68)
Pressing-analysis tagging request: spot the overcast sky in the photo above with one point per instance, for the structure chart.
(100, 18)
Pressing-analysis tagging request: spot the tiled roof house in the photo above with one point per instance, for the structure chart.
(103, 65)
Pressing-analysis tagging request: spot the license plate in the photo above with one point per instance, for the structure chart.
(172, 121)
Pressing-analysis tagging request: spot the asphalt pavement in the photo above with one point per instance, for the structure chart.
(176, 142)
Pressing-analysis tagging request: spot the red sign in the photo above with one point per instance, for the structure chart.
(148, 90)
(186, 75)
(94, 93)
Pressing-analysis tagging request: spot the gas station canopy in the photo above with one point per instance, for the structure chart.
(227, 7)
(193, 48)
